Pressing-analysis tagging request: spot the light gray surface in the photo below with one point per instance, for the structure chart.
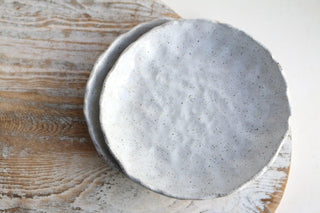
(194, 109)
(290, 30)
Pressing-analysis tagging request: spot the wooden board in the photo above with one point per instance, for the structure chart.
(47, 160)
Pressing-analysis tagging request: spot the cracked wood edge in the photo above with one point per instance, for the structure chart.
(47, 160)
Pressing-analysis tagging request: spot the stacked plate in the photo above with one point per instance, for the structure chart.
(191, 109)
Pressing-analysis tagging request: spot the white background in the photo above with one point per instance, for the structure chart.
(290, 29)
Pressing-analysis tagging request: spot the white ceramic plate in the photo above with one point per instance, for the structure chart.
(194, 109)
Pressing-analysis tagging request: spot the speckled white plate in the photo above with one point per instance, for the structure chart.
(194, 109)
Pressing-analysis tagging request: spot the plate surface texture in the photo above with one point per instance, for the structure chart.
(194, 109)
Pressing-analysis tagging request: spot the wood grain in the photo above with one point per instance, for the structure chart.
(47, 160)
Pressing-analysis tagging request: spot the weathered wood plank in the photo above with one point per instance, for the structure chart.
(47, 160)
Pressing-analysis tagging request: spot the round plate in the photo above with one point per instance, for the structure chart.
(194, 109)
